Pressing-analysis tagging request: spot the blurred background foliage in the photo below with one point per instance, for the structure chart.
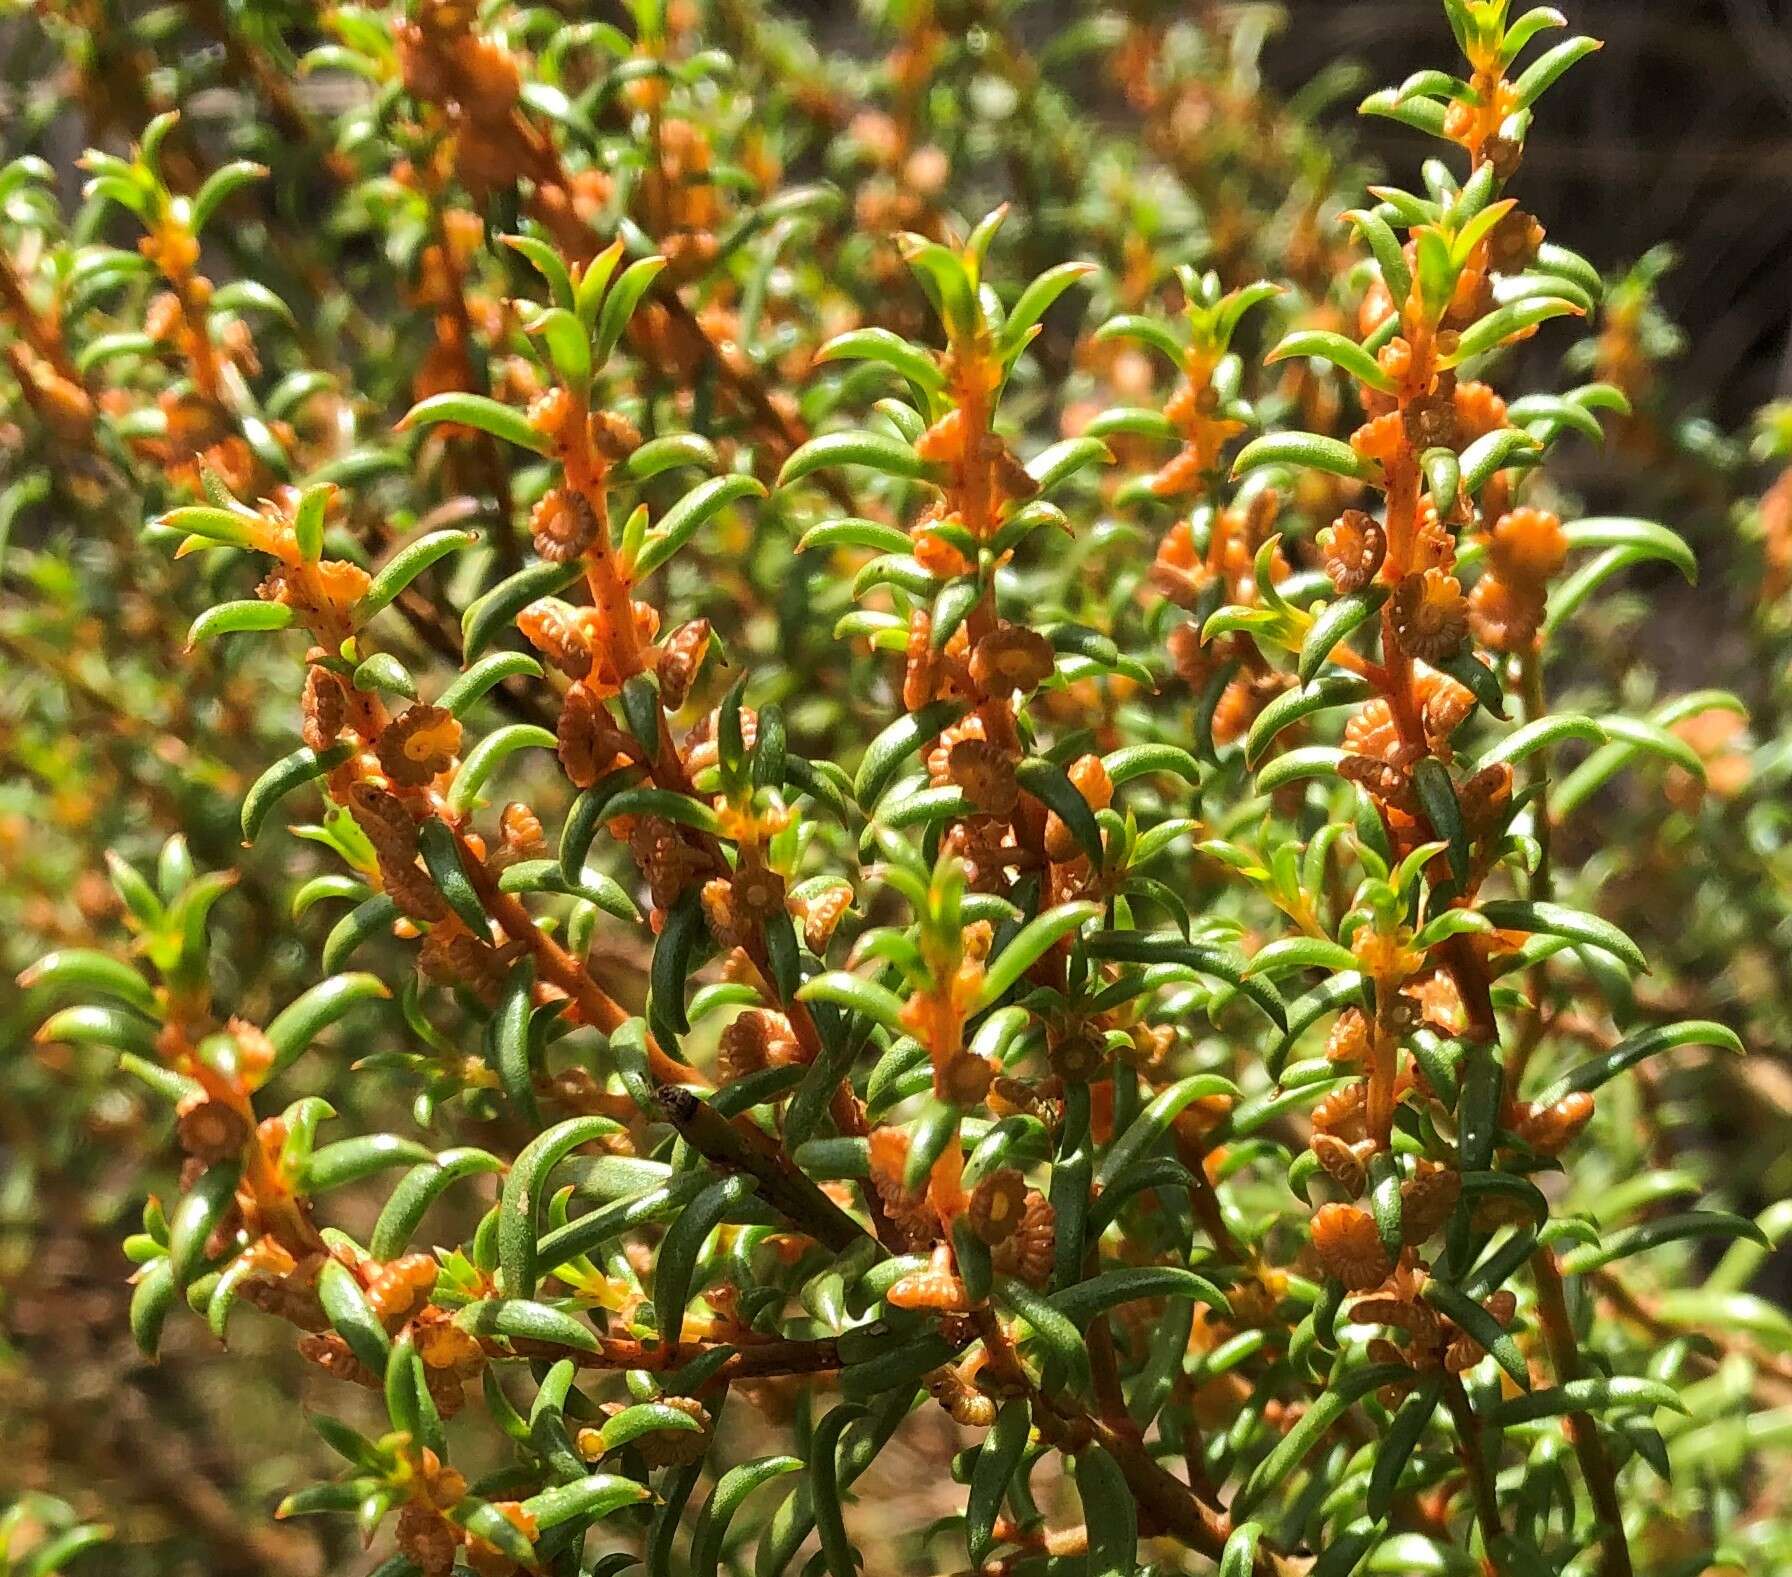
(1670, 166)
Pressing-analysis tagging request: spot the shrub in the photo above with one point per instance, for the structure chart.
(905, 857)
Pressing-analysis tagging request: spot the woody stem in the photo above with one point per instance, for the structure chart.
(1589, 1444)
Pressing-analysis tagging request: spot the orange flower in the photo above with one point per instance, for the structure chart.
(1528, 546)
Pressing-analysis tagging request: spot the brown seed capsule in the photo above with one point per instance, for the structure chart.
(965, 1079)
(998, 1203)
(1353, 546)
(935, 1288)
(1527, 547)
(427, 1538)
(1340, 1160)
(820, 913)
(331, 1353)
(1011, 658)
(521, 831)
(1348, 1042)
(1349, 1247)
(1382, 780)
(210, 1131)
(1551, 1129)
(418, 744)
(986, 774)
(1426, 1203)
(758, 1038)
(324, 708)
(588, 741)
(562, 525)
(964, 1403)
(1029, 1251)
(555, 630)
(680, 660)
(1429, 615)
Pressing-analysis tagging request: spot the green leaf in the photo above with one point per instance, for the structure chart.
(997, 1460)
(1543, 734)
(685, 518)
(1110, 1513)
(486, 756)
(303, 1019)
(1505, 324)
(676, 1265)
(674, 956)
(837, 1553)
(1331, 1405)
(1686, 1226)
(891, 350)
(442, 858)
(357, 926)
(519, 1208)
(620, 303)
(1067, 1355)
(239, 618)
(876, 451)
(1597, 1395)
(1239, 1557)
(1309, 761)
(1028, 945)
(588, 1499)
(93, 1025)
(646, 1418)
(885, 755)
(1293, 953)
(484, 675)
(1510, 914)
(876, 1002)
(494, 612)
(285, 775)
(1313, 451)
(151, 1299)
(405, 566)
(352, 1316)
(1437, 794)
(1291, 706)
(1547, 67)
(1634, 1048)
(520, 1319)
(485, 1521)
(659, 455)
(200, 1211)
(1051, 786)
(1081, 1303)
(79, 970)
(477, 410)
(1336, 622)
(1154, 1121)
(417, 1190)
(1469, 1316)
(1341, 352)
(1395, 1447)
(1646, 537)
(1062, 460)
(732, 1489)
(350, 1160)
